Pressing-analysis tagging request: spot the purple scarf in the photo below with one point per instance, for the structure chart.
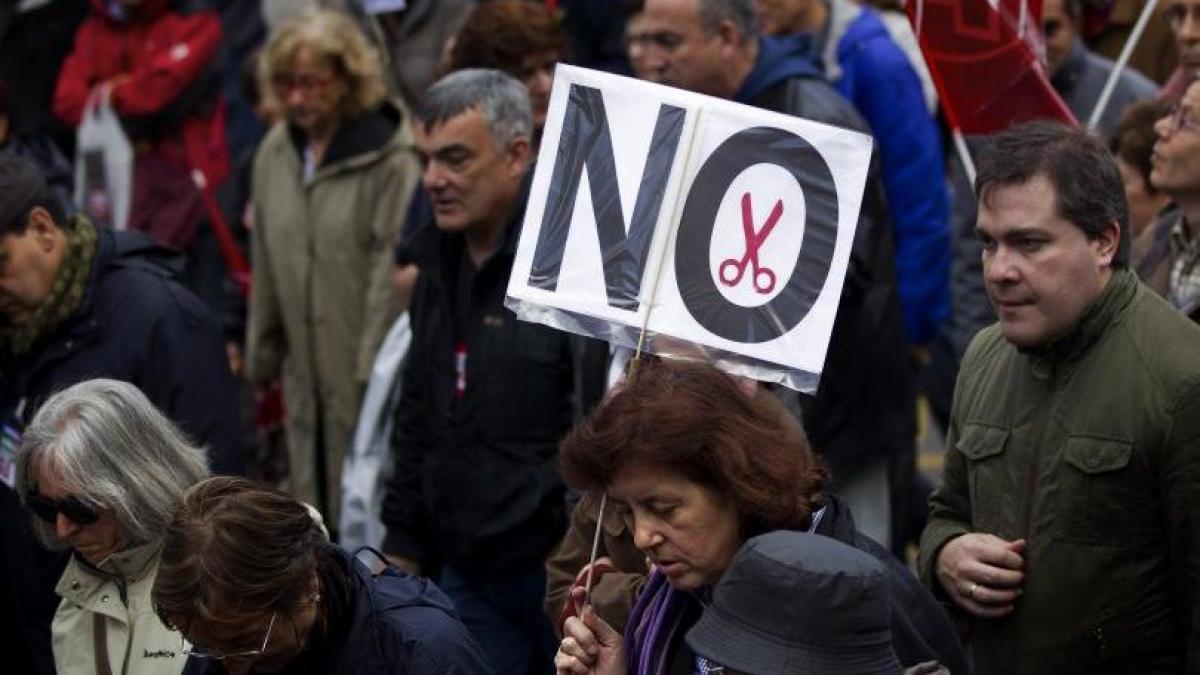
(653, 624)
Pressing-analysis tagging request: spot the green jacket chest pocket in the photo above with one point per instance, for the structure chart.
(993, 494)
(1097, 500)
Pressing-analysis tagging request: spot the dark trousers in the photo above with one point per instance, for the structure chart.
(504, 613)
(28, 575)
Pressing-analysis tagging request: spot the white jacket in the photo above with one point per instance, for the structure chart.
(118, 592)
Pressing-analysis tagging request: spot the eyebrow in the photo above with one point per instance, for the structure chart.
(450, 149)
(1015, 233)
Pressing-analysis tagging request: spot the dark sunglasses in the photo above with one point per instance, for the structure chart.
(75, 509)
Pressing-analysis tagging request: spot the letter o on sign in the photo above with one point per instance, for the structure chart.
(752, 325)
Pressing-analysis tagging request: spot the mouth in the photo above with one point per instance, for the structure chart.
(1004, 307)
(445, 204)
(671, 568)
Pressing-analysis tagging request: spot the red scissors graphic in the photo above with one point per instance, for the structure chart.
(732, 269)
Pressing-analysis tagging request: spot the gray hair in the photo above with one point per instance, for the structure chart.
(111, 447)
(503, 101)
(740, 12)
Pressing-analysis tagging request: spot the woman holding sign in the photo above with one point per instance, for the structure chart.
(696, 466)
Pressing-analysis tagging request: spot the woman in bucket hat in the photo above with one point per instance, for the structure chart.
(834, 620)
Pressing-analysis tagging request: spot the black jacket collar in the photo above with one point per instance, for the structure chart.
(366, 132)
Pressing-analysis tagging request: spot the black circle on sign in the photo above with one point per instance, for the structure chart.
(752, 325)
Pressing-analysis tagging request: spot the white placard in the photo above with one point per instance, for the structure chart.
(701, 220)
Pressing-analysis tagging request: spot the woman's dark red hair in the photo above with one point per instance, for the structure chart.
(694, 420)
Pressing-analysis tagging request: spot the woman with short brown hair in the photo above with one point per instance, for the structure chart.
(248, 577)
(697, 464)
(698, 422)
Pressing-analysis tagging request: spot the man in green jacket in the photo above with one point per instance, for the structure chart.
(1067, 530)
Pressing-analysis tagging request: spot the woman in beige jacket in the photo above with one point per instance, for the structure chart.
(102, 472)
(330, 187)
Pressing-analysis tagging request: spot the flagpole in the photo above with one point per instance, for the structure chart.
(964, 154)
(1126, 52)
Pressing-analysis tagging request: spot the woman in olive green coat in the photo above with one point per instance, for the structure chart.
(330, 186)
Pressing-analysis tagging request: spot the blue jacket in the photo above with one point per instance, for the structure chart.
(382, 624)
(875, 75)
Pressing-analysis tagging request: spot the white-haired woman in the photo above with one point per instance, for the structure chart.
(102, 471)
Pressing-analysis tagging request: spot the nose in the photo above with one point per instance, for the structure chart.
(1163, 127)
(294, 97)
(645, 537)
(1189, 25)
(433, 178)
(999, 266)
(63, 527)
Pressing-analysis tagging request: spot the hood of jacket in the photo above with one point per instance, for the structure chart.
(129, 250)
(359, 140)
(779, 59)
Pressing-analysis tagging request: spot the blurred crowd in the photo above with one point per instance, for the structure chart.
(290, 224)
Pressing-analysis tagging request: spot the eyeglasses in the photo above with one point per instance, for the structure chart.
(1181, 117)
(206, 653)
(75, 509)
(1178, 13)
(305, 84)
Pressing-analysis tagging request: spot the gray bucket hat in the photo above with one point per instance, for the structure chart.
(801, 604)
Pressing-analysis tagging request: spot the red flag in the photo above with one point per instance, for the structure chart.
(983, 58)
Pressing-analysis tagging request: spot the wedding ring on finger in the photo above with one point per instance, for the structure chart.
(971, 591)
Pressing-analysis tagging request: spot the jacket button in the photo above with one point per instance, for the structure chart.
(1093, 462)
(75, 585)
(104, 598)
(70, 344)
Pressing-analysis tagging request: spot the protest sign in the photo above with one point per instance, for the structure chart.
(692, 219)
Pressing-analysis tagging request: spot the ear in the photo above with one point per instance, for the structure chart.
(1106, 243)
(730, 35)
(520, 152)
(43, 229)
